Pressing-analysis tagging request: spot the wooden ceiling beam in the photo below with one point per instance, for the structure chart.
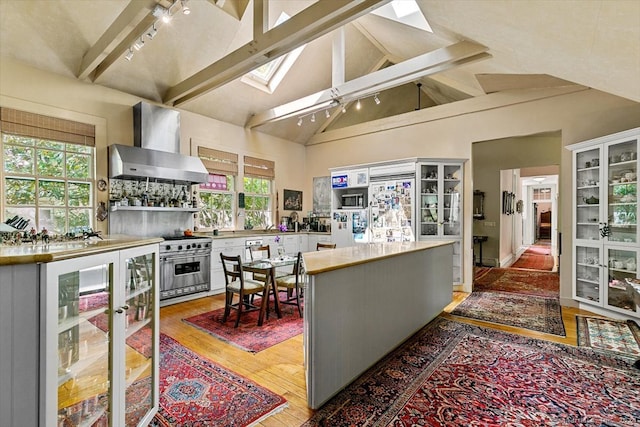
(412, 69)
(311, 23)
(131, 16)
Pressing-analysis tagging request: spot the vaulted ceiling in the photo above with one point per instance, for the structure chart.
(196, 61)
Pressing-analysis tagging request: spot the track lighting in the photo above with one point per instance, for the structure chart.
(344, 108)
(139, 44)
(313, 118)
(327, 114)
(300, 121)
(375, 98)
(185, 9)
(358, 105)
(152, 32)
(129, 54)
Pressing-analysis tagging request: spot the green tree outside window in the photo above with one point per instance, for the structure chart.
(48, 182)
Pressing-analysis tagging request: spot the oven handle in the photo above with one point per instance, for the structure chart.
(178, 257)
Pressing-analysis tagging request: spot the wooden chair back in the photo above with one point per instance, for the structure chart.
(320, 246)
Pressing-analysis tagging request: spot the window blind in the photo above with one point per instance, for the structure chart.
(219, 162)
(33, 125)
(259, 168)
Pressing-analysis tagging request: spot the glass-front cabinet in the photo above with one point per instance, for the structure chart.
(439, 207)
(100, 339)
(605, 176)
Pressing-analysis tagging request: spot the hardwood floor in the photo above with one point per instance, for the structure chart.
(280, 368)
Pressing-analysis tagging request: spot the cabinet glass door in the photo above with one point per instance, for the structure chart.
(588, 268)
(622, 191)
(622, 266)
(83, 346)
(429, 200)
(452, 200)
(139, 337)
(588, 219)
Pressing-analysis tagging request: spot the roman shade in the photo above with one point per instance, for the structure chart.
(259, 168)
(22, 123)
(218, 162)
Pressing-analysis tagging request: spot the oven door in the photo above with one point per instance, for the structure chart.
(184, 274)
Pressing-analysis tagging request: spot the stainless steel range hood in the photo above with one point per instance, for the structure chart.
(156, 151)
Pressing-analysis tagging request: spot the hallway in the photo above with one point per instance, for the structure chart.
(537, 257)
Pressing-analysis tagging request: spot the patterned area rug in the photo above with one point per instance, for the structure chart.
(528, 261)
(539, 283)
(523, 311)
(613, 336)
(198, 392)
(452, 374)
(248, 335)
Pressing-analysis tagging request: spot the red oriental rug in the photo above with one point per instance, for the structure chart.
(195, 391)
(453, 374)
(248, 335)
(537, 257)
(539, 283)
(523, 311)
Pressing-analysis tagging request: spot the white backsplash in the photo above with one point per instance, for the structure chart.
(149, 223)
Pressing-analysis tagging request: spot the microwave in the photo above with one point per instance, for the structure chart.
(352, 201)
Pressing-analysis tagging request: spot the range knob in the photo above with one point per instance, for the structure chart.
(188, 247)
(179, 247)
(199, 245)
(168, 247)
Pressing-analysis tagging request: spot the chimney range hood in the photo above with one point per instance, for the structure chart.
(156, 151)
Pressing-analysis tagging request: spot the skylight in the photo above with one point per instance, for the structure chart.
(267, 77)
(406, 12)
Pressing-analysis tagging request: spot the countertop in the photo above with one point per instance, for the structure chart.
(256, 233)
(29, 254)
(334, 259)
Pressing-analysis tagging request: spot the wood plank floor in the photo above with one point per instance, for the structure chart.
(280, 368)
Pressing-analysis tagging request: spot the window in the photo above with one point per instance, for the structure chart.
(543, 193)
(268, 76)
(48, 182)
(216, 203)
(257, 202)
(217, 194)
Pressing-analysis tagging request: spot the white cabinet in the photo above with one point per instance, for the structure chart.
(99, 336)
(439, 206)
(605, 220)
(231, 247)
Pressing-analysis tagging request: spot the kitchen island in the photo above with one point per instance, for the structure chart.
(363, 301)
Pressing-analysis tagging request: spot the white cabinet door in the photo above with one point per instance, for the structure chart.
(93, 307)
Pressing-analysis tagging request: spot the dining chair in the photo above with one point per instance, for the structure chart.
(292, 285)
(260, 252)
(236, 283)
(321, 246)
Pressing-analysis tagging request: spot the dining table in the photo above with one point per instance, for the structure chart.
(269, 268)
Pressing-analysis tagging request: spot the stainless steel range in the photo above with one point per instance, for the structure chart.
(185, 266)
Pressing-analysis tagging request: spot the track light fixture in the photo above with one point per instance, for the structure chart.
(152, 32)
(300, 121)
(129, 54)
(139, 44)
(185, 8)
(358, 106)
(344, 108)
(327, 114)
(313, 118)
(375, 98)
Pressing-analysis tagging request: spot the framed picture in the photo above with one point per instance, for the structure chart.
(292, 200)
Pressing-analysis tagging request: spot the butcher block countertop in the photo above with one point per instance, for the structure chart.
(334, 259)
(28, 254)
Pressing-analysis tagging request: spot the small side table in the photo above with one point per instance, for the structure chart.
(479, 240)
